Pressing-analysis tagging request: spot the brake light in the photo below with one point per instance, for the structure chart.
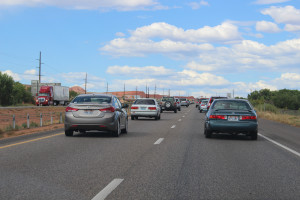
(217, 117)
(247, 117)
(109, 109)
(152, 108)
(70, 109)
(134, 107)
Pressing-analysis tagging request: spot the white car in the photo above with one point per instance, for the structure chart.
(203, 105)
(145, 108)
(178, 104)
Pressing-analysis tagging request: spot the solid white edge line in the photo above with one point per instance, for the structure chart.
(108, 189)
(159, 141)
(173, 126)
(282, 146)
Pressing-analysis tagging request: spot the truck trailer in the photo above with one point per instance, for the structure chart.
(53, 95)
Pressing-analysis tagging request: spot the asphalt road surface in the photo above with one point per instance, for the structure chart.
(165, 159)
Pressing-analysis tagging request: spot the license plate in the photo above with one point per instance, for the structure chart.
(233, 118)
(143, 108)
(88, 112)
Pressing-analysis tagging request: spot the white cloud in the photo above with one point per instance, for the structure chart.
(15, 76)
(270, 1)
(268, 27)
(120, 34)
(199, 67)
(89, 4)
(291, 28)
(30, 72)
(139, 71)
(286, 15)
(226, 32)
(174, 41)
(197, 5)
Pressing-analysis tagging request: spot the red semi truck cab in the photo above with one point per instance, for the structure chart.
(45, 96)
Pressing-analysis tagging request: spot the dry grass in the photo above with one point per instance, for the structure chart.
(282, 118)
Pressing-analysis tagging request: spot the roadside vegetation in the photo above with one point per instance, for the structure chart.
(13, 93)
(282, 106)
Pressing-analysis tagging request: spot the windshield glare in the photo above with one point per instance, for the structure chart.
(92, 99)
(231, 105)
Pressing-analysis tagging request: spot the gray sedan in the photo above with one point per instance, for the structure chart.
(98, 112)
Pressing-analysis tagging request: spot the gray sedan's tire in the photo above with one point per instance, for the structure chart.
(116, 133)
(125, 130)
(68, 132)
(175, 111)
(253, 135)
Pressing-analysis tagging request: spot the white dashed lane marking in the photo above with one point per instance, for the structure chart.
(159, 141)
(108, 189)
(173, 126)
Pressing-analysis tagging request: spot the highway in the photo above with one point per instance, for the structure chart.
(166, 159)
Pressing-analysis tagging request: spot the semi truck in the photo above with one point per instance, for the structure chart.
(52, 95)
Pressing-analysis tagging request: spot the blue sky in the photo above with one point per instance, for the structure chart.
(199, 48)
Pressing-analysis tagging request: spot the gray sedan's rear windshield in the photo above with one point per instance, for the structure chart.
(231, 105)
(145, 101)
(92, 99)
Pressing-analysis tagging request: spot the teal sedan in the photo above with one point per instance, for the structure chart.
(233, 116)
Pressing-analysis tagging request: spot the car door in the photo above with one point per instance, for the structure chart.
(122, 114)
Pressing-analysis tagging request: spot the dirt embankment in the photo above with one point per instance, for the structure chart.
(15, 121)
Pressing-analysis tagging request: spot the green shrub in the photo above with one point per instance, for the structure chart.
(24, 125)
(33, 124)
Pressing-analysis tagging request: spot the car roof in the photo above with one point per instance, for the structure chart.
(93, 94)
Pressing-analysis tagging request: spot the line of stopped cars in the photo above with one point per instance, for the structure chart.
(104, 112)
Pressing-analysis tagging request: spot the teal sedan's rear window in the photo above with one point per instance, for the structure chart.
(92, 99)
(231, 105)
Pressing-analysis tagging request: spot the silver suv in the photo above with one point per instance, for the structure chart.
(178, 104)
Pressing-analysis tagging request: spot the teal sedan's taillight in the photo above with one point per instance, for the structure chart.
(217, 117)
(247, 117)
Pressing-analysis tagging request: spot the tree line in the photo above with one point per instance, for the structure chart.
(13, 93)
(285, 98)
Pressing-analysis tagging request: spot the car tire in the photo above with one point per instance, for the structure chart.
(253, 135)
(156, 117)
(175, 111)
(179, 108)
(132, 117)
(68, 133)
(207, 133)
(136, 118)
(161, 111)
(125, 130)
(201, 111)
(159, 117)
(116, 133)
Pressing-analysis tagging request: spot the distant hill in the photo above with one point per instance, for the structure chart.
(77, 89)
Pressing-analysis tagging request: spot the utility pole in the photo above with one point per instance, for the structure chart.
(124, 92)
(40, 66)
(85, 82)
(136, 92)
(155, 92)
(106, 87)
(169, 92)
(233, 93)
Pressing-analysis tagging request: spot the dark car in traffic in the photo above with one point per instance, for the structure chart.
(97, 112)
(211, 99)
(233, 116)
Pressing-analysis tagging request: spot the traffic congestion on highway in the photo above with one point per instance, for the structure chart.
(162, 155)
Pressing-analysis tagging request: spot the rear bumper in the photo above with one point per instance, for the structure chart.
(100, 124)
(144, 114)
(232, 127)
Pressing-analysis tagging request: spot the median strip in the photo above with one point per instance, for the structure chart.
(15, 144)
(108, 189)
(159, 141)
(282, 146)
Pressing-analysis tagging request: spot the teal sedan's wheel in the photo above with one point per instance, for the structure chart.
(69, 133)
(207, 133)
(253, 135)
